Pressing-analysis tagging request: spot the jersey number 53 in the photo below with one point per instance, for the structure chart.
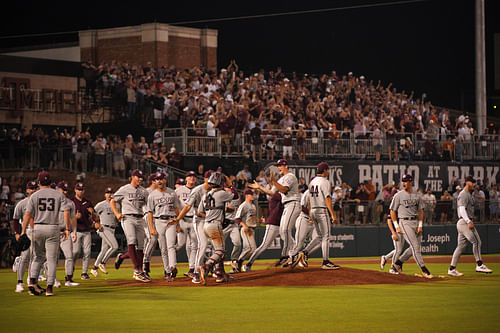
(46, 204)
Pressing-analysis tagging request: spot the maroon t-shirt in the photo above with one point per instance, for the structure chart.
(275, 209)
(84, 223)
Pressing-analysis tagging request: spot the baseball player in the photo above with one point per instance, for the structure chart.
(85, 217)
(406, 206)
(150, 240)
(272, 229)
(233, 230)
(44, 207)
(162, 207)
(194, 201)
(26, 256)
(179, 183)
(213, 207)
(399, 243)
(466, 230)
(288, 186)
(187, 236)
(320, 201)
(132, 198)
(66, 245)
(109, 244)
(246, 217)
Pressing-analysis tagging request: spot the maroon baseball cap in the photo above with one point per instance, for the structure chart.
(79, 186)
(281, 161)
(43, 176)
(137, 173)
(322, 167)
(248, 192)
(108, 190)
(63, 185)
(469, 178)
(190, 173)
(159, 175)
(32, 185)
(208, 174)
(180, 181)
(151, 177)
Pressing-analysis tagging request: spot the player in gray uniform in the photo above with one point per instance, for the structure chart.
(407, 207)
(320, 200)
(246, 217)
(232, 229)
(109, 244)
(201, 240)
(44, 206)
(288, 186)
(26, 256)
(132, 198)
(162, 208)
(187, 236)
(213, 207)
(66, 245)
(150, 240)
(466, 230)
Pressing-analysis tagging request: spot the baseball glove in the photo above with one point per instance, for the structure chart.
(23, 244)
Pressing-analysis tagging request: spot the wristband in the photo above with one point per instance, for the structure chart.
(420, 224)
(396, 225)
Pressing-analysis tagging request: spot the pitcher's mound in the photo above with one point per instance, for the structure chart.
(283, 277)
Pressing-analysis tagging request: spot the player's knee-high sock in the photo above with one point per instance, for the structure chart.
(125, 256)
(133, 256)
(140, 257)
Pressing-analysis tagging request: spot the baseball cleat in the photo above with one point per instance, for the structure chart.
(19, 288)
(483, 269)
(398, 268)
(393, 270)
(57, 283)
(281, 262)
(247, 268)
(203, 272)
(223, 278)
(327, 264)
(94, 272)
(140, 276)
(49, 291)
(427, 275)
(196, 278)
(15, 266)
(103, 269)
(174, 272)
(383, 261)
(71, 283)
(303, 260)
(189, 273)
(168, 277)
(297, 259)
(85, 276)
(35, 289)
(454, 272)
(32, 291)
(118, 261)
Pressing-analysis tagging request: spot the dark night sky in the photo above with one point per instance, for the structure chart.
(425, 46)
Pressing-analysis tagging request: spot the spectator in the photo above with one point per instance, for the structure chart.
(256, 142)
(429, 206)
(131, 100)
(445, 204)
(117, 149)
(448, 149)
(430, 150)
(362, 196)
(174, 158)
(162, 155)
(301, 142)
(158, 105)
(494, 204)
(479, 203)
(287, 144)
(377, 142)
(99, 153)
(372, 204)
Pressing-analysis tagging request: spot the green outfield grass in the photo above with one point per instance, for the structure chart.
(467, 304)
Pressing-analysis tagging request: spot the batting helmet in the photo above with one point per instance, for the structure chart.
(407, 178)
(216, 179)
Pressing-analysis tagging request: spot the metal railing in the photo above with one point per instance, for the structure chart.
(194, 141)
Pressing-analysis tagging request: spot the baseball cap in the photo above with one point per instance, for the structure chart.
(248, 192)
(108, 190)
(281, 161)
(79, 186)
(53, 185)
(208, 173)
(180, 181)
(322, 167)
(32, 185)
(43, 176)
(469, 178)
(190, 173)
(159, 175)
(407, 178)
(337, 188)
(63, 185)
(151, 177)
(137, 173)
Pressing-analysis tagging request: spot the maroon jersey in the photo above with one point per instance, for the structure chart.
(84, 223)
(275, 209)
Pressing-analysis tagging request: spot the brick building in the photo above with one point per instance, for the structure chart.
(160, 44)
